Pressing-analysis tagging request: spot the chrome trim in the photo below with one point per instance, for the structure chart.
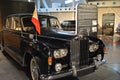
(99, 63)
(74, 71)
(68, 73)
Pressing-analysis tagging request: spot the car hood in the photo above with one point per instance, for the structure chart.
(59, 34)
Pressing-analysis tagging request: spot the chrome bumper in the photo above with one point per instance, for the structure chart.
(72, 72)
(99, 63)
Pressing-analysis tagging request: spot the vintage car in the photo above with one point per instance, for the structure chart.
(52, 54)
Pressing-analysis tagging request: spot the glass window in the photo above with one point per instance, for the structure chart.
(8, 22)
(68, 25)
(55, 23)
(16, 24)
(43, 22)
(28, 26)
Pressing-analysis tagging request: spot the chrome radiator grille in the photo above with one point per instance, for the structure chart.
(84, 53)
(75, 52)
(79, 52)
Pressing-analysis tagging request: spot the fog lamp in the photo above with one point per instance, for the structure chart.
(58, 67)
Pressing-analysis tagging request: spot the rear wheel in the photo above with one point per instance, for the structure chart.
(35, 68)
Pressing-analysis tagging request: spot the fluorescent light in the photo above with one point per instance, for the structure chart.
(68, 1)
(29, 0)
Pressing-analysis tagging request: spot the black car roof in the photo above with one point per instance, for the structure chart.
(69, 21)
(28, 14)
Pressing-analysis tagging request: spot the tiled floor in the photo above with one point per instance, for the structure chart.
(9, 71)
(108, 71)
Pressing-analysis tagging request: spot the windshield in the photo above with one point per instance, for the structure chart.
(45, 23)
(54, 23)
(28, 26)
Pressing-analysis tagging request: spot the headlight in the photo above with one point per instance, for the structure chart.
(93, 47)
(60, 53)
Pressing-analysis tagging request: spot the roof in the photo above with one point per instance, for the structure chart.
(28, 14)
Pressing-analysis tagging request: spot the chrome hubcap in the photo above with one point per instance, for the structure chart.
(34, 69)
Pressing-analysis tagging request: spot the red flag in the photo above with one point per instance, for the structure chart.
(36, 21)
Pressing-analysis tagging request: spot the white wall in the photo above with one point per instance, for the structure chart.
(105, 3)
(62, 15)
(108, 7)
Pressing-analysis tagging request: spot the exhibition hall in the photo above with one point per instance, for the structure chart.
(59, 40)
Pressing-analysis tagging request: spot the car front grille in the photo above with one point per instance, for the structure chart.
(79, 52)
(84, 53)
(75, 52)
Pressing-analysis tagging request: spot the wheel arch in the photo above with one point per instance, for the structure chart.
(28, 54)
(26, 58)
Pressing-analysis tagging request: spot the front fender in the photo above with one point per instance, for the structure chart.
(101, 49)
(35, 49)
(97, 40)
(40, 48)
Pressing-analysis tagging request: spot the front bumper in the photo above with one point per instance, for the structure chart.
(72, 72)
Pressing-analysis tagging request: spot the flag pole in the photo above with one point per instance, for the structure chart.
(36, 36)
(35, 21)
(36, 31)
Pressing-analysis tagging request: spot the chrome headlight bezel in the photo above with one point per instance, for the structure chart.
(60, 53)
(93, 47)
(58, 67)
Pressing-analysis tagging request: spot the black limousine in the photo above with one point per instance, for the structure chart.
(52, 54)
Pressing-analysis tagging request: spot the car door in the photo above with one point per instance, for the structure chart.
(13, 40)
(6, 34)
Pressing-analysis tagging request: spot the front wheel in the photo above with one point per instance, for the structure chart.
(35, 68)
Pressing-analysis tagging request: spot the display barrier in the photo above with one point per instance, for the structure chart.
(86, 20)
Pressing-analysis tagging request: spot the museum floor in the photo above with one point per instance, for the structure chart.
(108, 71)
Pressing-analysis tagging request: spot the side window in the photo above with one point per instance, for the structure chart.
(43, 23)
(28, 26)
(8, 23)
(16, 24)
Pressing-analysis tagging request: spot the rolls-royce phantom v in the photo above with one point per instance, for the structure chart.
(52, 54)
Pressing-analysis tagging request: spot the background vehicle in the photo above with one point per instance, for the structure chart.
(54, 53)
(70, 26)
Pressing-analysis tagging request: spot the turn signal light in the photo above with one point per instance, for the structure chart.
(50, 60)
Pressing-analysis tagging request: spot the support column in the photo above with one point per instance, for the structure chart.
(38, 4)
